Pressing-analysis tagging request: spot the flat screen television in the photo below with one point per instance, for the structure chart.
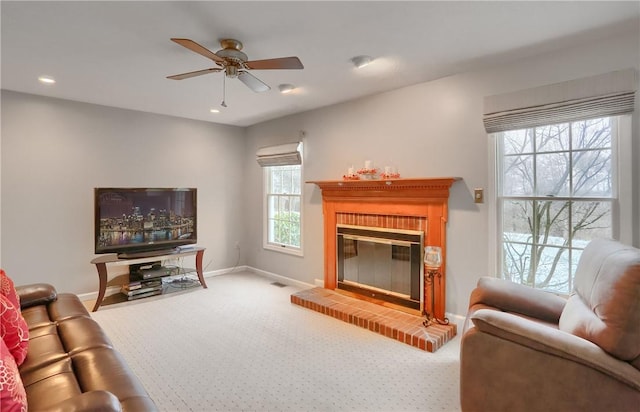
(138, 221)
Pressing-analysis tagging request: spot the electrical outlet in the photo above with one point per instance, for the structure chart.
(478, 195)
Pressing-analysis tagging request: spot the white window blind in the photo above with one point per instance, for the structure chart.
(603, 95)
(280, 155)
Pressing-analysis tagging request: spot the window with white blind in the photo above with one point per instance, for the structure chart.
(556, 192)
(283, 202)
(562, 175)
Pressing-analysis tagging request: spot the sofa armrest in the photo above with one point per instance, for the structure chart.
(36, 294)
(93, 401)
(513, 297)
(549, 340)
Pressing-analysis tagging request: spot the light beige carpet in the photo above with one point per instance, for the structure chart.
(240, 345)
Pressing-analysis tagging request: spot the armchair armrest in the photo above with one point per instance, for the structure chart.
(91, 401)
(546, 339)
(513, 297)
(36, 294)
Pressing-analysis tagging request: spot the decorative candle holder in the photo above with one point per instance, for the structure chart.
(432, 263)
(368, 174)
(390, 172)
(390, 176)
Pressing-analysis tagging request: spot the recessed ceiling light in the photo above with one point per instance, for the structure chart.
(214, 111)
(361, 61)
(286, 88)
(46, 80)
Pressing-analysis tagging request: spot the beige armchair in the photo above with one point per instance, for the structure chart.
(523, 349)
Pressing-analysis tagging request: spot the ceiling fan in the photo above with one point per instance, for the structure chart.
(235, 63)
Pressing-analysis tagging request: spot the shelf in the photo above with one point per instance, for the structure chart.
(103, 262)
(113, 260)
(170, 284)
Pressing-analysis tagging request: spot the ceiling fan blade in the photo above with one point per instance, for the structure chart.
(253, 82)
(193, 74)
(195, 47)
(280, 63)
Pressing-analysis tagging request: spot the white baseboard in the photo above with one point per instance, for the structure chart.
(280, 278)
(457, 319)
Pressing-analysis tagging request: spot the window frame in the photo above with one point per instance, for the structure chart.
(621, 199)
(279, 247)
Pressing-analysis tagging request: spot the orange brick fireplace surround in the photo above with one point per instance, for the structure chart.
(415, 204)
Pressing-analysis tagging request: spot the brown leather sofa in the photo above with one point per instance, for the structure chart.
(71, 365)
(524, 349)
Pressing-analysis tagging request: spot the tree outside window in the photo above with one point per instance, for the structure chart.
(283, 197)
(556, 193)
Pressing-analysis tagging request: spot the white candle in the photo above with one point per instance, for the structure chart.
(367, 164)
(387, 170)
(350, 171)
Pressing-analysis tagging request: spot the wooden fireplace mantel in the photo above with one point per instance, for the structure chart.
(417, 189)
(416, 197)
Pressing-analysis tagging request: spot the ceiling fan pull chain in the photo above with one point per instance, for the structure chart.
(224, 91)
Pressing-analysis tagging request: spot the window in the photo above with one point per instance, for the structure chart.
(283, 217)
(556, 190)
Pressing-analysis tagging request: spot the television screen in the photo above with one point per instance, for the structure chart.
(129, 220)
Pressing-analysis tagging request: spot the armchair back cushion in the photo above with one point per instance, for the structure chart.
(604, 306)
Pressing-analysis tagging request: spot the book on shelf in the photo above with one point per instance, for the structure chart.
(145, 295)
(133, 286)
(137, 289)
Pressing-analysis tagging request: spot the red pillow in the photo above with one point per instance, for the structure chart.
(13, 330)
(13, 397)
(8, 289)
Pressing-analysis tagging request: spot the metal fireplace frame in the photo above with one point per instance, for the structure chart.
(412, 239)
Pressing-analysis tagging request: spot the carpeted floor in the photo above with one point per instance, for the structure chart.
(241, 345)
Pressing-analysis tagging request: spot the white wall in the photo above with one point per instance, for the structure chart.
(427, 130)
(55, 152)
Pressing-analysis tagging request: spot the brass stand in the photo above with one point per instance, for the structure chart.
(431, 316)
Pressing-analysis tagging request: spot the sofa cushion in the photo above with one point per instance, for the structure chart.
(66, 306)
(105, 369)
(37, 317)
(51, 384)
(604, 307)
(13, 330)
(12, 394)
(8, 289)
(79, 334)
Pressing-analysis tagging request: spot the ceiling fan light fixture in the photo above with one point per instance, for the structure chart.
(286, 88)
(361, 61)
(214, 110)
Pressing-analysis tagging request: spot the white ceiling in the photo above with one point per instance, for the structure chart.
(119, 53)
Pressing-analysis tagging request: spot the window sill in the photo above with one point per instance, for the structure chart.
(283, 249)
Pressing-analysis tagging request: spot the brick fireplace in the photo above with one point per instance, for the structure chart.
(419, 204)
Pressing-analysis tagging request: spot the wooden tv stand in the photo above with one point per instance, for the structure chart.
(104, 261)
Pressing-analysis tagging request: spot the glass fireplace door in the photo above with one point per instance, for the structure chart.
(380, 263)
